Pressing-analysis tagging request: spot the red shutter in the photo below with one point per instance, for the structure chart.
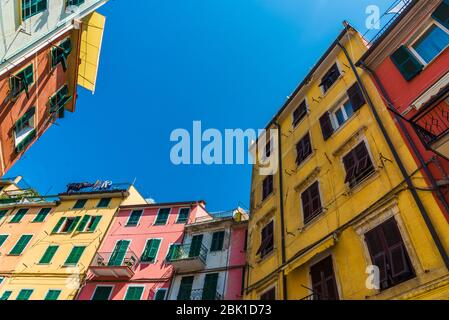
(326, 126)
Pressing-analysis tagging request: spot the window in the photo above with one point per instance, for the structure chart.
(407, 63)
(21, 82)
(269, 295)
(19, 216)
(330, 78)
(3, 214)
(1, 279)
(5, 295)
(66, 225)
(151, 250)
(431, 43)
(173, 251)
(119, 254)
(343, 113)
(303, 149)
(311, 203)
(79, 204)
(358, 165)
(104, 203)
(48, 255)
(102, 293)
(441, 14)
(88, 223)
(388, 253)
(185, 288)
(134, 293)
(60, 54)
(183, 215)
(74, 2)
(53, 295)
(21, 245)
(43, 213)
(134, 218)
(196, 245)
(268, 148)
(326, 125)
(74, 256)
(210, 287)
(267, 240)
(299, 113)
(267, 187)
(24, 130)
(217, 241)
(59, 100)
(3, 238)
(162, 216)
(323, 280)
(160, 294)
(24, 294)
(32, 7)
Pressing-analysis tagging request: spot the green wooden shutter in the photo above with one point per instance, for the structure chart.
(23, 121)
(79, 204)
(151, 250)
(119, 253)
(75, 255)
(185, 288)
(21, 245)
(3, 213)
(104, 203)
(24, 294)
(73, 225)
(407, 63)
(441, 14)
(134, 293)
(6, 295)
(83, 223)
(183, 215)
(210, 286)
(134, 218)
(162, 216)
(19, 216)
(58, 225)
(52, 294)
(195, 246)
(48, 254)
(43, 213)
(94, 224)
(102, 293)
(3, 238)
(217, 241)
(160, 294)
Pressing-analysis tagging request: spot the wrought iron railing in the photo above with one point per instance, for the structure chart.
(187, 251)
(202, 294)
(116, 259)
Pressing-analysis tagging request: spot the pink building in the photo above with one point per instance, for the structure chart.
(133, 260)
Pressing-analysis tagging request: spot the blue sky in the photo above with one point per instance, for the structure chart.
(164, 64)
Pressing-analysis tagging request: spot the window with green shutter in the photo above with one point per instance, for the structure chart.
(441, 14)
(210, 287)
(21, 82)
(53, 295)
(162, 216)
(119, 253)
(19, 216)
(32, 7)
(93, 223)
(3, 214)
(407, 63)
(69, 224)
(5, 295)
(183, 215)
(134, 218)
(60, 53)
(151, 249)
(75, 256)
(24, 130)
(43, 213)
(59, 225)
(24, 294)
(173, 251)
(79, 204)
(104, 203)
(59, 100)
(3, 238)
(134, 293)
(185, 288)
(26, 141)
(48, 254)
(102, 293)
(217, 241)
(160, 294)
(21, 245)
(82, 225)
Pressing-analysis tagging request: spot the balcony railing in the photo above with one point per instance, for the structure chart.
(188, 252)
(201, 294)
(114, 264)
(97, 187)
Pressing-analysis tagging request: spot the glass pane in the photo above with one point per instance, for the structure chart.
(339, 116)
(432, 43)
(349, 109)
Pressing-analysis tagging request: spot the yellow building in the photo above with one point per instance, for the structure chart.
(355, 220)
(55, 264)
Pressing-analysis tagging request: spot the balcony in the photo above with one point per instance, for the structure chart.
(107, 265)
(432, 125)
(189, 258)
(201, 294)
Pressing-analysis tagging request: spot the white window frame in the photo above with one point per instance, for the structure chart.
(103, 286)
(138, 221)
(341, 106)
(179, 211)
(134, 286)
(64, 224)
(168, 217)
(25, 132)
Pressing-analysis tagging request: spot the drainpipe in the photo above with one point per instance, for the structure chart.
(281, 209)
(398, 160)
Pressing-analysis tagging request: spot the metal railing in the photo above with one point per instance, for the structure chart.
(114, 259)
(20, 197)
(99, 186)
(186, 251)
(201, 294)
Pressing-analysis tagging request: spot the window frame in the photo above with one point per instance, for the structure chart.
(16, 213)
(268, 253)
(134, 286)
(45, 252)
(308, 156)
(45, 217)
(308, 221)
(20, 292)
(337, 64)
(53, 290)
(271, 288)
(83, 201)
(157, 252)
(155, 223)
(211, 249)
(15, 75)
(157, 291)
(319, 260)
(301, 119)
(371, 158)
(341, 106)
(66, 264)
(108, 199)
(23, 18)
(24, 248)
(6, 238)
(102, 286)
(188, 215)
(138, 220)
(266, 196)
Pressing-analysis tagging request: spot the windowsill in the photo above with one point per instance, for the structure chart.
(159, 224)
(388, 291)
(314, 221)
(331, 87)
(304, 162)
(345, 124)
(69, 265)
(266, 257)
(181, 222)
(13, 255)
(131, 225)
(295, 126)
(267, 198)
(366, 180)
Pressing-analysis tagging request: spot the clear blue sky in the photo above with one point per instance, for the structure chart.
(164, 64)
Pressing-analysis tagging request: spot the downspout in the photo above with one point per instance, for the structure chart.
(398, 160)
(281, 209)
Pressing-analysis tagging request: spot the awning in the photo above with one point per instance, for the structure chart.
(309, 254)
(91, 39)
(431, 92)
